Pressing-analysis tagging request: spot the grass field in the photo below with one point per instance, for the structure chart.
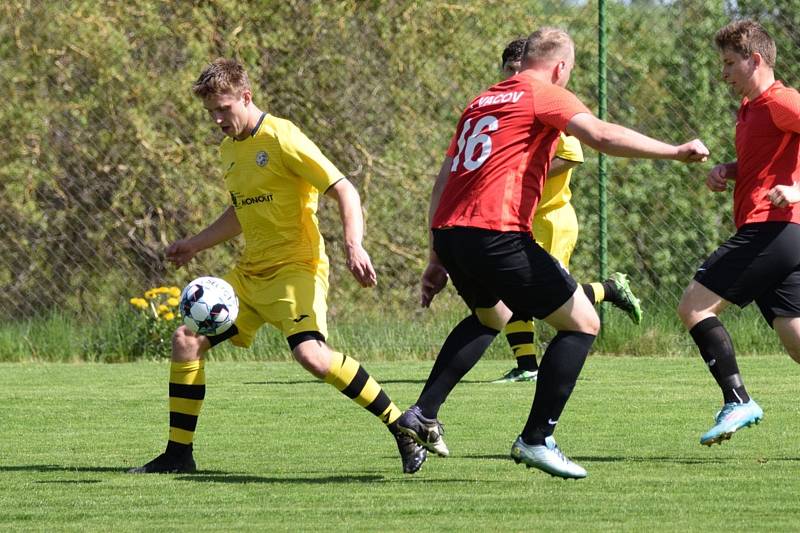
(279, 451)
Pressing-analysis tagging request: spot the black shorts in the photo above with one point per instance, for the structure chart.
(760, 262)
(487, 266)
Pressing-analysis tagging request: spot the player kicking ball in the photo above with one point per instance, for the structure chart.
(274, 174)
(555, 228)
(761, 262)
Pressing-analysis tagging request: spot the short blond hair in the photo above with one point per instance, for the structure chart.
(545, 44)
(222, 76)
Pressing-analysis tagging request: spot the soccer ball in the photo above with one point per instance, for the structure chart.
(209, 306)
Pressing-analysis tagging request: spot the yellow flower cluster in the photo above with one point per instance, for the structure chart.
(160, 301)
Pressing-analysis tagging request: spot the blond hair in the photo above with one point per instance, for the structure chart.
(222, 76)
(545, 44)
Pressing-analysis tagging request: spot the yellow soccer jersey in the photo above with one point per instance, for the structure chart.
(274, 178)
(556, 192)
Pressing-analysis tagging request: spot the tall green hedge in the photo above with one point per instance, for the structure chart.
(106, 157)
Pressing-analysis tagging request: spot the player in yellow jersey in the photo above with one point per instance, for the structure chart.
(273, 173)
(555, 228)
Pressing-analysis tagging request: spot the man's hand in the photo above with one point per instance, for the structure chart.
(693, 152)
(433, 281)
(360, 266)
(180, 252)
(784, 195)
(717, 179)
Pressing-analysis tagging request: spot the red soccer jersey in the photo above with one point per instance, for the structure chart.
(767, 154)
(501, 153)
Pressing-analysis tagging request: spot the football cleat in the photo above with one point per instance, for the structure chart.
(426, 432)
(731, 418)
(518, 374)
(626, 299)
(182, 463)
(546, 457)
(411, 453)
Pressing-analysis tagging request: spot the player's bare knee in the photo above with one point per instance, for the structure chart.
(314, 357)
(591, 325)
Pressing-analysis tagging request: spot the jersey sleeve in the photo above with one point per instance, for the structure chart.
(303, 158)
(569, 149)
(555, 106)
(785, 110)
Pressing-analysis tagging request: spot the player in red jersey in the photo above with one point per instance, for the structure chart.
(761, 261)
(481, 206)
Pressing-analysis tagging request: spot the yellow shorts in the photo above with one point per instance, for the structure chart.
(557, 232)
(293, 299)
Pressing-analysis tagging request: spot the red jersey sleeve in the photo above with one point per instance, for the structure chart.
(555, 106)
(785, 109)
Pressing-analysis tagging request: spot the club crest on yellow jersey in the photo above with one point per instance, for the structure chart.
(262, 158)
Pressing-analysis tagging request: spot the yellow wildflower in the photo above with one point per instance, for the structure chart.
(173, 302)
(139, 303)
(169, 316)
(175, 292)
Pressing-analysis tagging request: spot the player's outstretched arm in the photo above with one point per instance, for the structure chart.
(224, 228)
(358, 261)
(719, 176)
(620, 141)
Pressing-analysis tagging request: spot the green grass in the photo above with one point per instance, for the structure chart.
(279, 451)
(415, 335)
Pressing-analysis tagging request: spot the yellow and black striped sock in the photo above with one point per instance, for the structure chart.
(187, 388)
(596, 292)
(350, 378)
(520, 336)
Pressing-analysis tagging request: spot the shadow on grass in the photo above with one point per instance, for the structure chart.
(381, 381)
(323, 480)
(69, 481)
(621, 459)
(676, 460)
(238, 478)
(59, 468)
(95, 469)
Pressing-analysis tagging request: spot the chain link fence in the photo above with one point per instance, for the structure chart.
(106, 156)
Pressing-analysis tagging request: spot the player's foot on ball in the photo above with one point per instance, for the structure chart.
(172, 463)
(546, 457)
(626, 300)
(518, 374)
(411, 453)
(426, 432)
(731, 418)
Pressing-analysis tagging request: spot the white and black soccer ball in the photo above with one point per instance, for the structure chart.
(209, 306)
